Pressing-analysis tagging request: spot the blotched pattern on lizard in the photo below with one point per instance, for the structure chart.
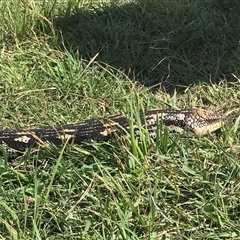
(191, 121)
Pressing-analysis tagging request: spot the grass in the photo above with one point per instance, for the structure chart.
(67, 61)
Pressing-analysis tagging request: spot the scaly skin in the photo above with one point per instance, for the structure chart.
(192, 121)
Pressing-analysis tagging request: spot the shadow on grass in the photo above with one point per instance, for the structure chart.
(173, 43)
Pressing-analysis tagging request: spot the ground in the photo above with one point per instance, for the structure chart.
(68, 61)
